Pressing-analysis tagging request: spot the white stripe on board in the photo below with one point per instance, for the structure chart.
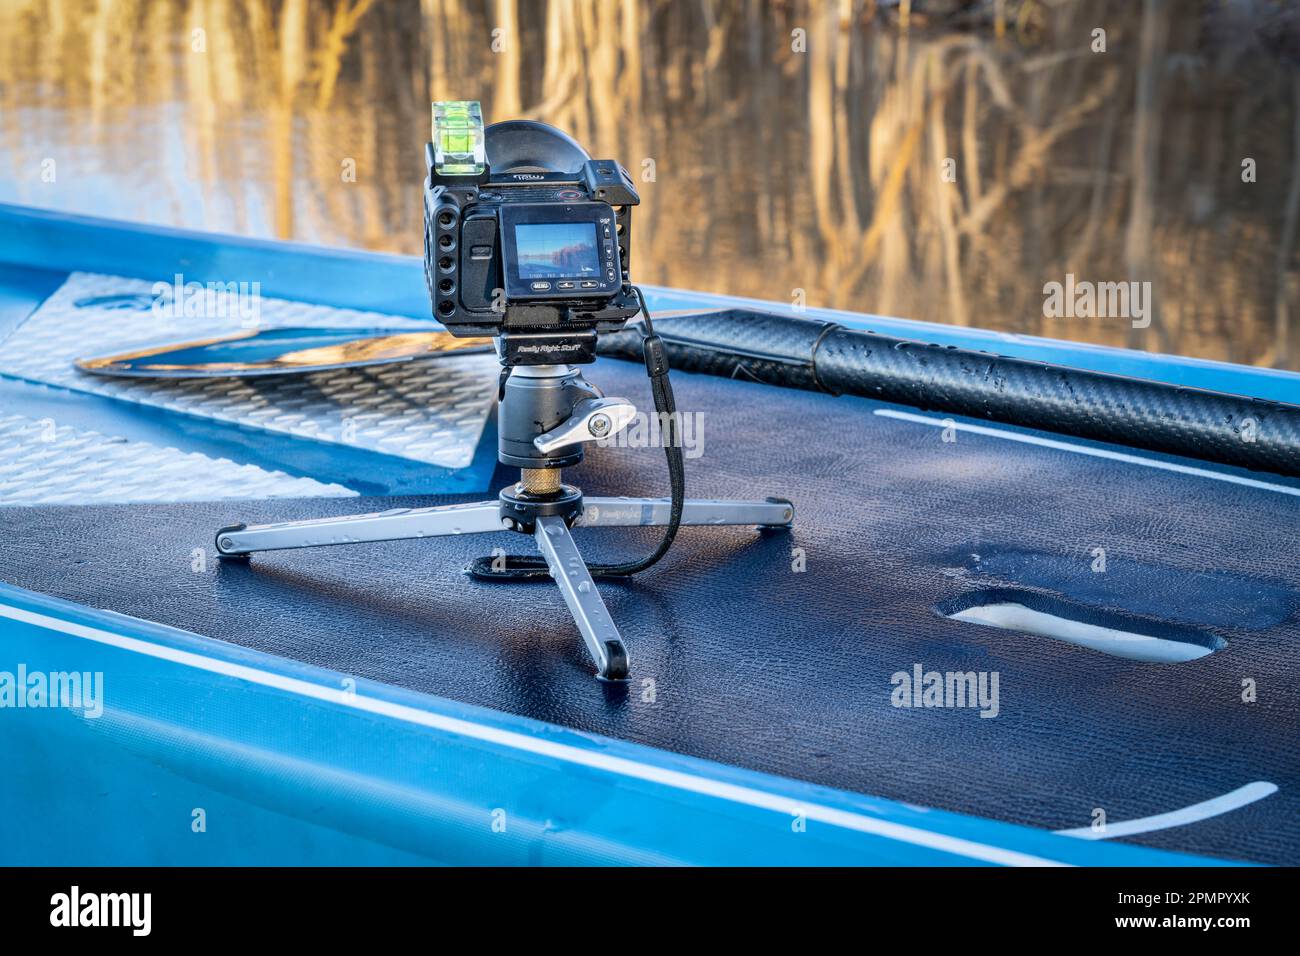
(1012, 616)
(1176, 818)
(1086, 450)
(678, 779)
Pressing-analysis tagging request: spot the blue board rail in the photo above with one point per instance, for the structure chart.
(208, 753)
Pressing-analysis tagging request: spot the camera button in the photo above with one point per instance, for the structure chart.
(590, 284)
(566, 285)
(539, 286)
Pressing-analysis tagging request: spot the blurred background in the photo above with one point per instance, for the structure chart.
(936, 160)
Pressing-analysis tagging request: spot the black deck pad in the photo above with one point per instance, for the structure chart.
(738, 656)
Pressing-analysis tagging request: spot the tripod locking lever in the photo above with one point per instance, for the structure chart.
(592, 419)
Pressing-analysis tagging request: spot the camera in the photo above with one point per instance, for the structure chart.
(526, 237)
(527, 240)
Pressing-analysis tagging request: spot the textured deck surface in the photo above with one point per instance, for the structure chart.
(43, 462)
(756, 663)
(428, 412)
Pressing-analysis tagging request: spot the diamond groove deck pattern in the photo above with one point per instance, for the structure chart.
(45, 463)
(431, 412)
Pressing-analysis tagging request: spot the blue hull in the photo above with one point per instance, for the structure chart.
(212, 753)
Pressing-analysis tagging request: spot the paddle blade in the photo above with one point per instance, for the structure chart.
(284, 351)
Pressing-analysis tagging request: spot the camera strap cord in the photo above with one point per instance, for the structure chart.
(516, 567)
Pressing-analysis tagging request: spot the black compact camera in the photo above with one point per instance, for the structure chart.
(526, 237)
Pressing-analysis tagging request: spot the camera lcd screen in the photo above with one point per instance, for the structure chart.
(546, 250)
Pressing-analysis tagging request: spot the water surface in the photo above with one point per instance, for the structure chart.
(943, 161)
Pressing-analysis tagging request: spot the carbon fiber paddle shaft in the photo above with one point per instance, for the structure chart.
(802, 353)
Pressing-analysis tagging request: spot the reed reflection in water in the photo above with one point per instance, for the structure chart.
(938, 160)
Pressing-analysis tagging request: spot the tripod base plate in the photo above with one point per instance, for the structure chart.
(520, 509)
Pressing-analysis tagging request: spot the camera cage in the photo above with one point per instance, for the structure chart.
(478, 178)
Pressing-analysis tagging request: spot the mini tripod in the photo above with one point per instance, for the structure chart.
(545, 413)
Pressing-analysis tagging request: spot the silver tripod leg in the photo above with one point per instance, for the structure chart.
(585, 604)
(485, 516)
(644, 512)
(550, 532)
(391, 525)
(570, 570)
